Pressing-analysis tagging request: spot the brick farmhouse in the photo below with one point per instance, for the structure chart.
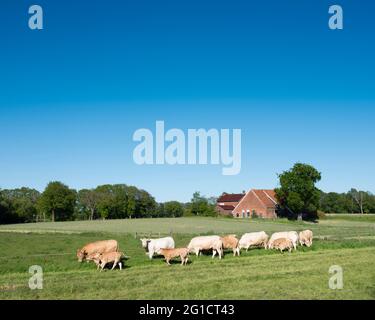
(255, 203)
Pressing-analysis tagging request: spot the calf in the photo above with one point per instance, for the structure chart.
(102, 259)
(169, 254)
(283, 244)
(231, 242)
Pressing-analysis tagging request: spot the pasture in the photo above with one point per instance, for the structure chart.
(257, 274)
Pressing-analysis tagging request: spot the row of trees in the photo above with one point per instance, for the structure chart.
(353, 201)
(297, 196)
(60, 203)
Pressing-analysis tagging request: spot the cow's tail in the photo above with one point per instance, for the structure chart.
(123, 255)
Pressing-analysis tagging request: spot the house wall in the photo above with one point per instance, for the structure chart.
(252, 203)
(223, 212)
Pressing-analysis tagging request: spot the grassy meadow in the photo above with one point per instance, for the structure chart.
(257, 274)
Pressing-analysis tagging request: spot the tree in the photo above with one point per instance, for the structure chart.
(23, 203)
(6, 213)
(297, 193)
(200, 206)
(173, 209)
(357, 196)
(57, 201)
(88, 200)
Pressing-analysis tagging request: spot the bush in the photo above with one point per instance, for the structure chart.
(321, 215)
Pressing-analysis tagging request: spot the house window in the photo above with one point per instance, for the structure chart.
(243, 213)
(248, 213)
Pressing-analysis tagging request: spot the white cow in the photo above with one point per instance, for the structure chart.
(291, 235)
(213, 243)
(153, 246)
(254, 239)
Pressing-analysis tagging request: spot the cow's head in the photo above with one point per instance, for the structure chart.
(81, 255)
(145, 243)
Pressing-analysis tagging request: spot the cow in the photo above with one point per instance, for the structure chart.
(102, 259)
(96, 247)
(231, 242)
(153, 246)
(169, 254)
(213, 243)
(291, 235)
(306, 238)
(254, 239)
(283, 244)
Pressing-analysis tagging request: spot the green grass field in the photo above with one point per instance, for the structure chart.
(257, 274)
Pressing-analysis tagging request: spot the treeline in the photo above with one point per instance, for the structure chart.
(58, 202)
(353, 201)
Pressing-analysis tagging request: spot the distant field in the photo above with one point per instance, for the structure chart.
(258, 274)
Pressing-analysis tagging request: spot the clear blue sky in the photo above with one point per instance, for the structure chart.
(72, 95)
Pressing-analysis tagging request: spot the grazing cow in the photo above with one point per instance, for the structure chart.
(213, 243)
(96, 247)
(283, 244)
(306, 238)
(231, 242)
(291, 235)
(169, 254)
(102, 259)
(254, 239)
(153, 246)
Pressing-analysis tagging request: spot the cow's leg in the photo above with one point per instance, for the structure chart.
(197, 252)
(114, 264)
(220, 253)
(213, 253)
(103, 265)
(120, 265)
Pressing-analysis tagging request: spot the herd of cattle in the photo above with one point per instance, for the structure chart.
(107, 252)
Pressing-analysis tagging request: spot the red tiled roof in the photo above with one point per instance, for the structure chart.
(267, 197)
(234, 197)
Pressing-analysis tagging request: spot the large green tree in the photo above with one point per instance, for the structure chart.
(173, 209)
(201, 206)
(57, 201)
(297, 193)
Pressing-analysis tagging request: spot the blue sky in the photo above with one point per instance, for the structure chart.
(72, 95)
